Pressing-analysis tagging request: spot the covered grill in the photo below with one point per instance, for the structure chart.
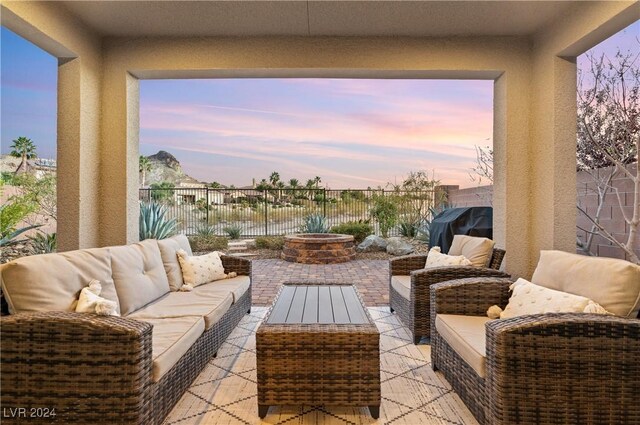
(471, 221)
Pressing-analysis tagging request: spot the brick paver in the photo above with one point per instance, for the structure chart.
(371, 277)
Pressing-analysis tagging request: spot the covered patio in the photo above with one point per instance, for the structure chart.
(104, 48)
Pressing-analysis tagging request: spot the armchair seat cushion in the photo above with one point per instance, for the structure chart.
(402, 285)
(467, 336)
(236, 285)
(211, 306)
(171, 339)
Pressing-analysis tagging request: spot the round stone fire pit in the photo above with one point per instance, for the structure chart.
(318, 248)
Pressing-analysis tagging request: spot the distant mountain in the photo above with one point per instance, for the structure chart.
(166, 168)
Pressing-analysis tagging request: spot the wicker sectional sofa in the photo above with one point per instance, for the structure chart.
(552, 368)
(67, 367)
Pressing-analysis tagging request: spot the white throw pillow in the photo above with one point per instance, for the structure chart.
(90, 301)
(437, 259)
(200, 269)
(529, 298)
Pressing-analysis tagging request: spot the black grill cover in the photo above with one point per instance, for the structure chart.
(471, 221)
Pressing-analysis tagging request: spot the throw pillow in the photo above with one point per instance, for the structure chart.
(437, 259)
(197, 270)
(90, 301)
(529, 298)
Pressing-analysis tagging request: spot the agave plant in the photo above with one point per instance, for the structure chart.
(153, 223)
(203, 229)
(315, 223)
(43, 243)
(234, 231)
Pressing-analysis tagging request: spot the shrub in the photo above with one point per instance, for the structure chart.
(270, 242)
(203, 243)
(153, 224)
(234, 231)
(358, 229)
(385, 212)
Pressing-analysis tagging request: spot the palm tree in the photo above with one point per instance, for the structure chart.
(293, 185)
(144, 166)
(274, 178)
(309, 187)
(25, 149)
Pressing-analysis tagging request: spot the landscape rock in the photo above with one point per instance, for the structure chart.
(396, 246)
(372, 243)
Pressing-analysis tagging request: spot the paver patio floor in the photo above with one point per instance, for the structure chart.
(371, 277)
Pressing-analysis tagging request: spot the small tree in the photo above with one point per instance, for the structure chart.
(609, 136)
(24, 149)
(385, 212)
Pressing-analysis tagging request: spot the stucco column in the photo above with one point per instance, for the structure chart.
(119, 207)
(553, 166)
(511, 195)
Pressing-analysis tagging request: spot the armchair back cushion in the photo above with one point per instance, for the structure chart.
(475, 249)
(168, 250)
(612, 283)
(138, 274)
(52, 282)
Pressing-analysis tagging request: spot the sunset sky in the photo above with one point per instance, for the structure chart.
(352, 133)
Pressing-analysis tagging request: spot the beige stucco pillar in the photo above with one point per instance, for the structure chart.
(119, 165)
(553, 168)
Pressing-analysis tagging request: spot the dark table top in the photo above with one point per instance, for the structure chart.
(318, 304)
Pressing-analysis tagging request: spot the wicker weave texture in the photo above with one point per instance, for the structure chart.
(90, 369)
(331, 364)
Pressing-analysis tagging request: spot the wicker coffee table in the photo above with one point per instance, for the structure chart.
(318, 346)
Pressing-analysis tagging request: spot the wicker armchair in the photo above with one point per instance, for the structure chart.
(556, 368)
(414, 311)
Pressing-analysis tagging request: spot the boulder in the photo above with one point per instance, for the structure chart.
(396, 246)
(372, 243)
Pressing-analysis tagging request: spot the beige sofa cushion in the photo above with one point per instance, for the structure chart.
(168, 251)
(475, 249)
(52, 282)
(612, 283)
(211, 306)
(171, 339)
(402, 285)
(138, 274)
(467, 336)
(237, 286)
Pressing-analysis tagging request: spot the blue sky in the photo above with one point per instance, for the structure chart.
(352, 133)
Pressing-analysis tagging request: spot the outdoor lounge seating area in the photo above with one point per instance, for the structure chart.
(318, 345)
(118, 326)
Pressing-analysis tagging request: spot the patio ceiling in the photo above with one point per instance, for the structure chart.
(318, 18)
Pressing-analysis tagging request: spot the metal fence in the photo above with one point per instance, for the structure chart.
(278, 211)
